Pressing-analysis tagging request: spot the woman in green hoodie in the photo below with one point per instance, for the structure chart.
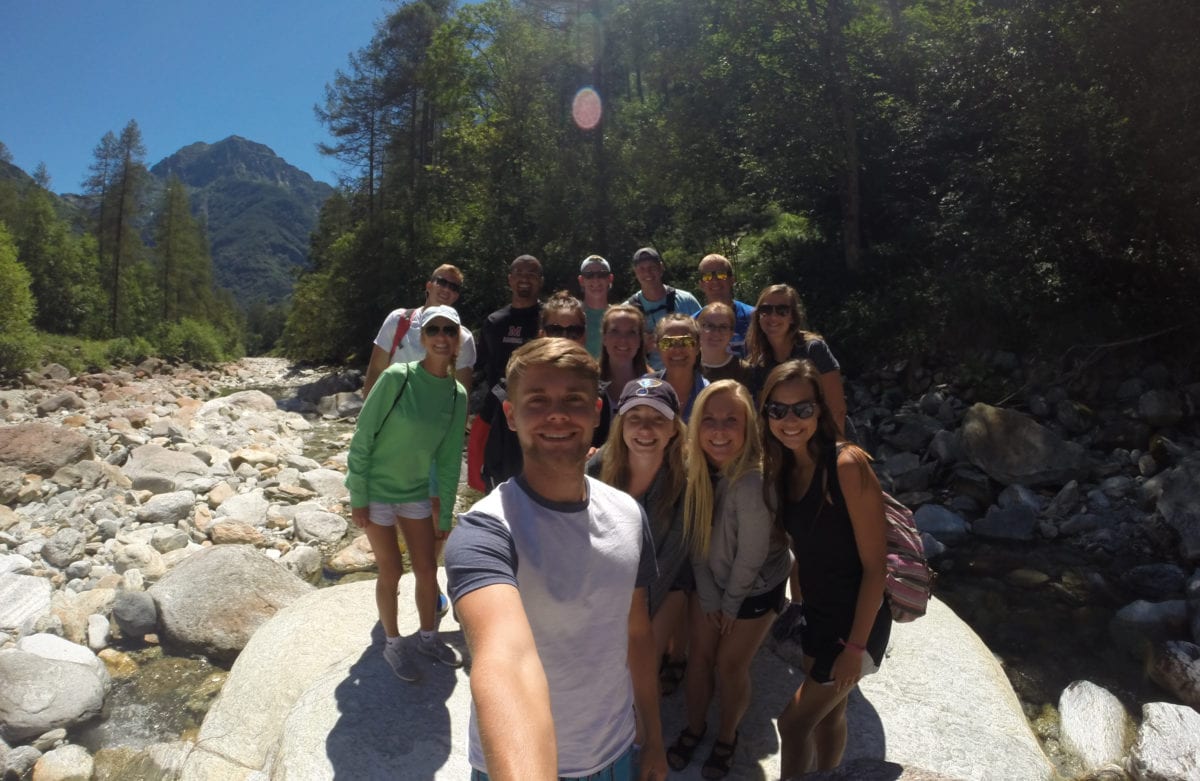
(410, 430)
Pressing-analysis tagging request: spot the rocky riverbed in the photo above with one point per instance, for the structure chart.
(172, 510)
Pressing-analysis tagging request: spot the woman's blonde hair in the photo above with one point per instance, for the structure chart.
(639, 358)
(698, 501)
(615, 469)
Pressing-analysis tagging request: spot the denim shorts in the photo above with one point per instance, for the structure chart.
(385, 514)
(620, 770)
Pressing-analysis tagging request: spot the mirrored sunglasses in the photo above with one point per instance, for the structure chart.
(671, 342)
(709, 276)
(777, 410)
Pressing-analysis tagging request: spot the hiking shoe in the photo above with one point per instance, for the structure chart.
(440, 651)
(401, 662)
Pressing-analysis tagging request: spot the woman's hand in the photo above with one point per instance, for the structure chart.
(438, 532)
(847, 669)
(361, 516)
(725, 622)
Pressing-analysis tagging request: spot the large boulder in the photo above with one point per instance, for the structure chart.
(156, 469)
(1175, 666)
(167, 508)
(23, 600)
(49, 682)
(1014, 448)
(1095, 726)
(941, 702)
(1178, 494)
(1168, 743)
(214, 600)
(42, 448)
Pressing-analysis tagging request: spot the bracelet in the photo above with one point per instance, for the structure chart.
(855, 647)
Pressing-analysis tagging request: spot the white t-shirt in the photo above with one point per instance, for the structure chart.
(410, 348)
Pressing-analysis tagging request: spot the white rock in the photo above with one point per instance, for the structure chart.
(249, 508)
(23, 600)
(65, 763)
(1168, 744)
(320, 527)
(326, 482)
(98, 632)
(1095, 726)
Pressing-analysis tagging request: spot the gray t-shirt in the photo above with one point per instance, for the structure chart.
(576, 566)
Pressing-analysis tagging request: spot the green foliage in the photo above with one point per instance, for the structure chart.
(127, 350)
(17, 339)
(193, 341)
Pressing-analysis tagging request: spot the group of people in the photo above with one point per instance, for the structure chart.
(656, 471)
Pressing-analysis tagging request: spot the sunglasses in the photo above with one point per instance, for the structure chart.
(779, 310)
(709, 276)
(440, 330)
(777, 410)
(715, 328)
(671, 342)
(569, 331)
(443, 282)
(595, 275)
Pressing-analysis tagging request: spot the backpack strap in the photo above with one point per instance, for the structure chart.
(395, 401)
(402, 326)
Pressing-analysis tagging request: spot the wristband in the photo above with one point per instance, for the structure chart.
(855, 647)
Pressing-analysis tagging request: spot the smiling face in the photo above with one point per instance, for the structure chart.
(525, 282)
(440, 337)
(565, 325)
(595, 282)
(716, 330)
(792, 431)
(554, 411)
(622, 336)
(649, 273)
(677, 354)
(722, 432)
(716, 289)
(775, 325)
(438, 290)
(646, 431)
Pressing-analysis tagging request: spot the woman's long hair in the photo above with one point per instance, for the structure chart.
(639, 358)
(778, 460)
(615, 469)
(699, 499)
(758, 348)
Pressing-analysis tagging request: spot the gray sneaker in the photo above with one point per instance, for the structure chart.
(400, 660)
(439, 651)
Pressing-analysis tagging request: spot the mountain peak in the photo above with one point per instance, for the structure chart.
(200, 164)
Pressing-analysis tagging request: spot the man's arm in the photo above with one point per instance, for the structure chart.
(508, 685)
(379, 361)
(643, 670)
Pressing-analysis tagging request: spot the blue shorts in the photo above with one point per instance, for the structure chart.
(620, 770)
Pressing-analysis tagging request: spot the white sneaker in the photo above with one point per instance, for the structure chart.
(440, 651)
(400, 662)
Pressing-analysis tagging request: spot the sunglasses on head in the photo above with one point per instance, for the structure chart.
(449, 329)
(669, 342)
(443, 282)
(777, 410)
(595, 275)
(779, 310)
(569, 331)
(709, 276)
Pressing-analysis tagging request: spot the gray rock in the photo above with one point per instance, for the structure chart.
(1179, 504)
(155, 762)
(65, 763)
(249, 508)
(1155, 582)
(1147, 465)
(303, 560)
(21, 761)
(1138, 625)
(42, 448)
(1168, 744)
(946, 447)
(98, 632)
(1014, 523)
(48, 740)
(970, 482)
(64, 547)
(1117, 486)
(1013, 448)
(135, 613)
(158, 470)
(49, 683)
(142, 558)
(1064, 502)
(11, 479)
(1019, 496)
(214, 600)
(1175, 666)
(167, 508)
(909, 432)
(933, 546)
(1131, 389)
(14, 563)
(169, 538)
(1160, 408)
(1073, 416)
(1094, 725)
(941, 522)
(318, 526)
(65, 400)
(328, 483)
(341, 405)
(24, 600)
(1084, 523)
(238, 403)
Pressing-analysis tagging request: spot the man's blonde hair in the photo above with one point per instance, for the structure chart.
(558, 353)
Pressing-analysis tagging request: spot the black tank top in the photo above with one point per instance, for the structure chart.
(827, 558)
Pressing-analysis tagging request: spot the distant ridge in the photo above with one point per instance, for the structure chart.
(259, 210)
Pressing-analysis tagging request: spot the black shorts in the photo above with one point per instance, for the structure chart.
(822, 642)
(761, 604)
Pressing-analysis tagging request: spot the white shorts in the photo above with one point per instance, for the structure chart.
(385, 513)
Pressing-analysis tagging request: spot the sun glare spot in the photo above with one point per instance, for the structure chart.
(586, 109)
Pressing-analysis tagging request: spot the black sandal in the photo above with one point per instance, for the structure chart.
(720, 759)
(679, 755)
(670, 675)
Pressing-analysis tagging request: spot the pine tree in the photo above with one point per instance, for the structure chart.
(182, 262)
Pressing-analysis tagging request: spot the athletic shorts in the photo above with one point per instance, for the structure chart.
(620, 770)
(385, 513)
(761, 604)
(822, 643)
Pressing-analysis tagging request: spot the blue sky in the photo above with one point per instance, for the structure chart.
(70, 70)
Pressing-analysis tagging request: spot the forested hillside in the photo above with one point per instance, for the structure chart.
(929, 173)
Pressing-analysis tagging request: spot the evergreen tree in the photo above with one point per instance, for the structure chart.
(182, 262)
(17, 343)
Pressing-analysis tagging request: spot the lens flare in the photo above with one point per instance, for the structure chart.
(586, 108)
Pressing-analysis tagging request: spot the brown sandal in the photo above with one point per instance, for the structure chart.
(720, 759)
(679, 755)
(670, 675)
